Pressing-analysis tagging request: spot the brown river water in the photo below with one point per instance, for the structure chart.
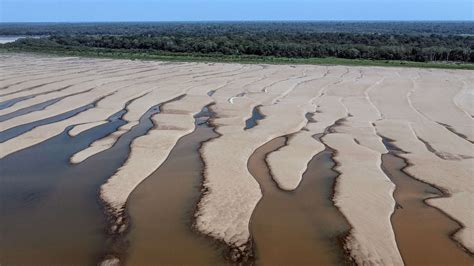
(50, 210)
(300, 227)
(422, 232)
(162, 207)
(51, 214)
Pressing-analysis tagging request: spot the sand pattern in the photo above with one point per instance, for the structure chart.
(426, 113)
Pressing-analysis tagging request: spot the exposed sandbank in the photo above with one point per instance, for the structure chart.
(358, 104)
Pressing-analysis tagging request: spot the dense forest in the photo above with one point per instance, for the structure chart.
(205, 28)
(407, 41)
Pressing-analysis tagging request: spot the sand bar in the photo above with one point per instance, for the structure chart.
(352, 106)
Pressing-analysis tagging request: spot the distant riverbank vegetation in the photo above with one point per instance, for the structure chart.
(432, 43)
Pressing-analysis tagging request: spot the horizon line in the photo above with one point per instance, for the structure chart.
(254, 20)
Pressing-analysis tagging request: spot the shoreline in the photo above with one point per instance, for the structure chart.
(323, 61)
(395, 151)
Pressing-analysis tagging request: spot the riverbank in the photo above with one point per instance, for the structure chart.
(184, 57)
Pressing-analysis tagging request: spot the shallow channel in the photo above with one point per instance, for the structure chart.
(161, 210)
(50, 209)
(422, 232)
(300, 227)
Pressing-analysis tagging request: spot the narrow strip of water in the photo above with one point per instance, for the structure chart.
(301, 227)
(423, 233)
(161, 210)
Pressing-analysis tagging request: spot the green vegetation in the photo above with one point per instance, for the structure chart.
(180, 57)
(219, 28)
(350, 43)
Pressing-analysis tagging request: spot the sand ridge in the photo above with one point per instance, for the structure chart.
(427, 113)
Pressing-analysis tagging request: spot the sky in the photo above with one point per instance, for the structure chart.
(232, 10)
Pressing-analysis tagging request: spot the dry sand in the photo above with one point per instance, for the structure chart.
(427, 113)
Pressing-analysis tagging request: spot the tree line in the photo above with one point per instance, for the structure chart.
(206, 28)
(419, 48)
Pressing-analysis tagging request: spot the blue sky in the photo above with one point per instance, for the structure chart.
(205, 10)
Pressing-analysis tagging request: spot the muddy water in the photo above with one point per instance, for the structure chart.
(50, 214)
(162, 207)
(300, 227)
(50, 210)
(422, 232)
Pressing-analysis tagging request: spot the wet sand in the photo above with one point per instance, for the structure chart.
(161, 210)
(423, 233)
(299, 227)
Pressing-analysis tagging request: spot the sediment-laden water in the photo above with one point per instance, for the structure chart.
(301, 227)
(422, 232)
(161, 210)
(51, 213)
